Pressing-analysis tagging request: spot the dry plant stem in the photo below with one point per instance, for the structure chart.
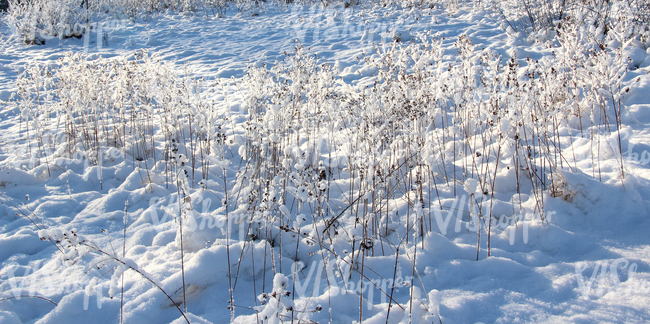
(230, 288)
(29, 296)
(42, 226)
(123, 255)
(94, 248)
(181, 211)
(496, 167)
(392, 289)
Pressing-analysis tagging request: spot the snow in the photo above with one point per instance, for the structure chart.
(77, 232)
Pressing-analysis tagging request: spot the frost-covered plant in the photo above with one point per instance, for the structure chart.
(217, 7)
(24, 18)
(75, 247)
(38, 20)
(278, 304)
(544, 17)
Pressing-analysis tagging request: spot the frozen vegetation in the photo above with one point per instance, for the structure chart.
(213, 161)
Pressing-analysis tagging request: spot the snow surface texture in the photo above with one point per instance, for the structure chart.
(583, 257)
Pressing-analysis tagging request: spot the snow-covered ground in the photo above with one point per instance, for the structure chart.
(583, 257)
